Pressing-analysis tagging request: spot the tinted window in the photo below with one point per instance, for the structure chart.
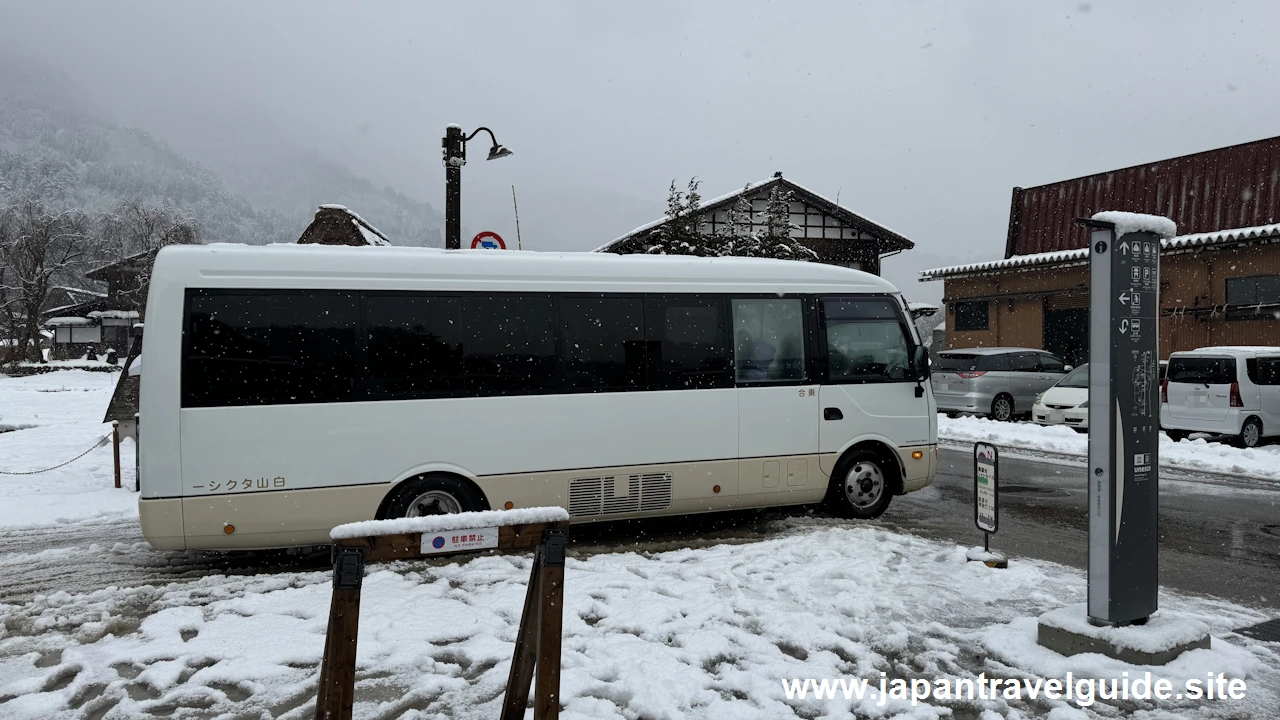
(967, 362)
(768, 337)
(1049, 363)
(1269, 371)
(603, 341)
(971, 315)
(264, 349)
(1023, 362)
(1251, 369)
(509, 344)
(1214, 371)
(866, 340)
(414, 346)
(686, 337)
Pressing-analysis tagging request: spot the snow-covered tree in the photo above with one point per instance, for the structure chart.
(39, 249)
(773, 239)
(684, 232)
(133, 228)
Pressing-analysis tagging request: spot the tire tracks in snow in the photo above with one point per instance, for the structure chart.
(92, 555)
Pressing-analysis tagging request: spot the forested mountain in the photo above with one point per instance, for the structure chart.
(56, 147)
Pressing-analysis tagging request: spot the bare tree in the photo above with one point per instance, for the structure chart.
(38, 250)
(135, 230)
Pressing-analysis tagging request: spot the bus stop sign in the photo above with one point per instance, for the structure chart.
(986, 487)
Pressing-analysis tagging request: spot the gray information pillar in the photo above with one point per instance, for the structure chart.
(1124, 425)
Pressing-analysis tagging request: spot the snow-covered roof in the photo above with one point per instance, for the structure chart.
(115, 314)
(1180, 242)
(895, 240)
(67, 321)
(368, 233)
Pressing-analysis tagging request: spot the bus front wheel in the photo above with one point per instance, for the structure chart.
(860, 486)
(432, 495)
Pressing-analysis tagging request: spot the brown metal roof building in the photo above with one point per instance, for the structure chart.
(1220, 278)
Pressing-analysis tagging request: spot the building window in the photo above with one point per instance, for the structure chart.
(971, 315)
(1256, 290)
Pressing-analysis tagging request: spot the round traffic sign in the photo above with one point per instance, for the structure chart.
(488, 241)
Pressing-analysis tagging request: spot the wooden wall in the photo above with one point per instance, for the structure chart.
(1188, 281)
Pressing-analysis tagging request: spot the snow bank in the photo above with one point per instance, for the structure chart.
(1194, 454)
(445, 523)
(1127, 222)
(62, 417)
(692, 633)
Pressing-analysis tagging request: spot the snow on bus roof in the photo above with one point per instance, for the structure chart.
(232, 259)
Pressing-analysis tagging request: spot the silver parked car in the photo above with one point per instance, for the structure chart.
(1000, 382)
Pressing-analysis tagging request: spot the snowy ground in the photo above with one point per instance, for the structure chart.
(45, 420)
(703, 633)
(1194, 454)
(706, 632)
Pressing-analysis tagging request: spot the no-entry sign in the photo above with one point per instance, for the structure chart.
(488, 241)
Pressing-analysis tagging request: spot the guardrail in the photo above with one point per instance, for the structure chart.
(538, 639)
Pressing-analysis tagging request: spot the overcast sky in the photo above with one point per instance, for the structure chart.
(921, 116)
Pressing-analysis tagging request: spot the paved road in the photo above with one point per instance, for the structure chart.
(1212, 540)
(1212, 528)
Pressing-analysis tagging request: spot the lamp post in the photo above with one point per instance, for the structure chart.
(455, 156)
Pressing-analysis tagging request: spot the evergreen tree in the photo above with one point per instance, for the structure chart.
(774, 237)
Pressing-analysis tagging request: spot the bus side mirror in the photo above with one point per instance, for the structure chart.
(921, 363)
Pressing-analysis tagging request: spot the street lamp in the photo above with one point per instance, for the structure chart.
(455, 156)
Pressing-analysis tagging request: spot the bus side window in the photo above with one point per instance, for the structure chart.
(768, 340)
(509, 344)
(867, 340)
(685, 335)
(414, 346)
(603, 342)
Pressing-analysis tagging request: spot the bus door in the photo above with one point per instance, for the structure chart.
(777, 403)
(870, 387)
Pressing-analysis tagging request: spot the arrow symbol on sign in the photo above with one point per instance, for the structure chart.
(1124, 298)
(1124, 248)
(1124, 326)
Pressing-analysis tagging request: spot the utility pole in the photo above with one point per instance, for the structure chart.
(455, 156)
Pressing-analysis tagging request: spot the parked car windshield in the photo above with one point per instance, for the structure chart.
(1212, 371)
(969, 362)
(1078, 378)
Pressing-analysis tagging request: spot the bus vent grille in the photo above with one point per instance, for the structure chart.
(600, 495)
(655, 490)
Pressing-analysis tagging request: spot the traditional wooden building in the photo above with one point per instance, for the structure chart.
(337, 225)
(836, 234)
(1220, 278)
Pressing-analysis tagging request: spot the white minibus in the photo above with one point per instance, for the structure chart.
(289, 389)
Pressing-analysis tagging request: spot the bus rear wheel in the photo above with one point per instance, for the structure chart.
(860, 486)
(432, 495)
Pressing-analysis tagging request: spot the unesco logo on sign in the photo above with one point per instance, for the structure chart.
(438, 542)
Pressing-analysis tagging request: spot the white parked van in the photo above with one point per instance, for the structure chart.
(1223, 390)
(291, 388)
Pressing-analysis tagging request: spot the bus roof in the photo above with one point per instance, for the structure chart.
(367, 268)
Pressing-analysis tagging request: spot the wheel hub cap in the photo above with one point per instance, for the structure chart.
(865, 485)
(434, 502)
